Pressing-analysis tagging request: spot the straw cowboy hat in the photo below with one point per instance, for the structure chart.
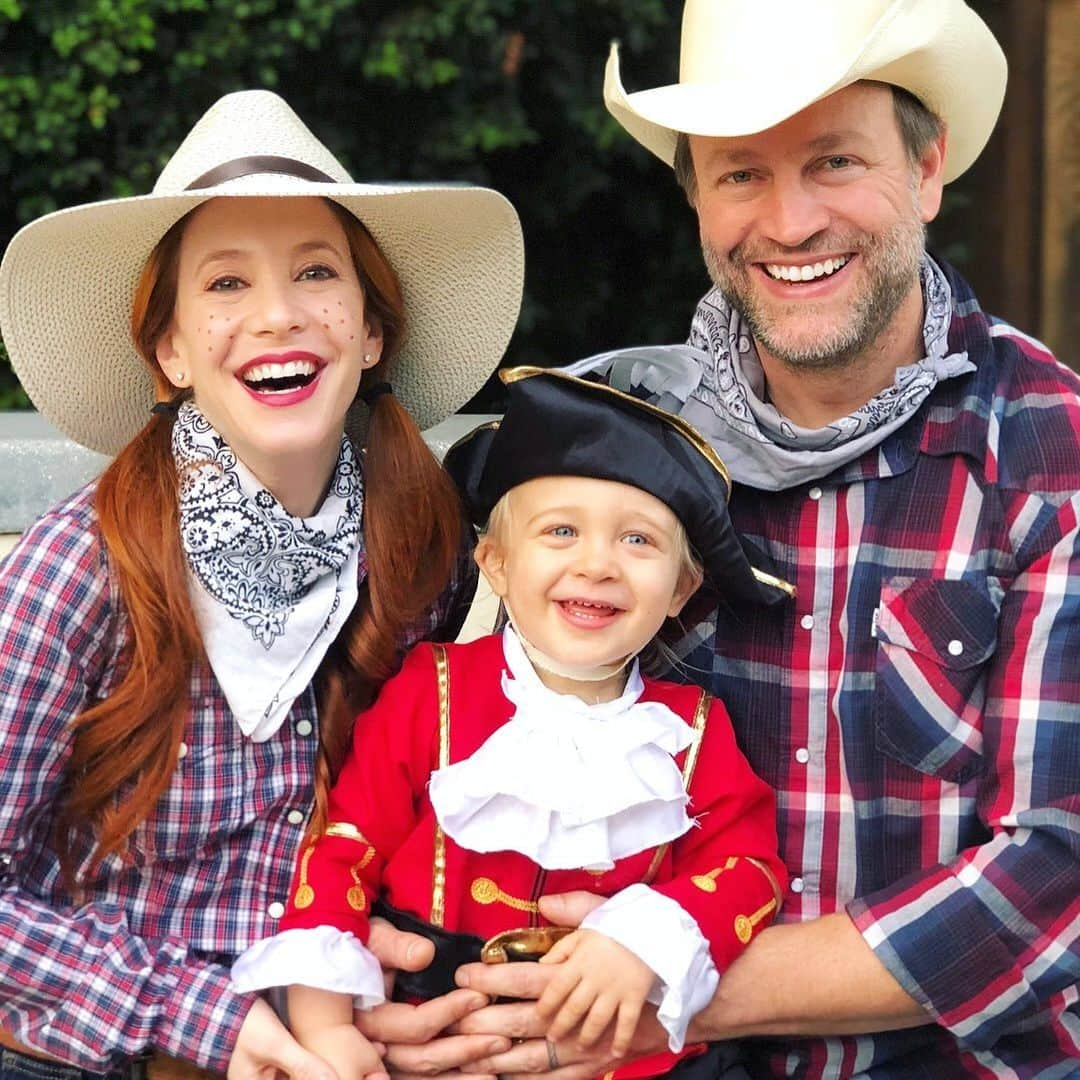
(67, 280)
(746, 65)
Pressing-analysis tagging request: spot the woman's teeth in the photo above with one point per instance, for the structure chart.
(274, 377)
(808, 272)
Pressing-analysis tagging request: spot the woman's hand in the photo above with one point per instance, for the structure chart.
(264, 1050)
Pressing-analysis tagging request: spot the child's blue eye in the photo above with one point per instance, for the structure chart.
(636, 538)
(562, 530)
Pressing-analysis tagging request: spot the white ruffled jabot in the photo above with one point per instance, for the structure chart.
(568, 784)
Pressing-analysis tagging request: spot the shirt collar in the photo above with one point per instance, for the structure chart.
(956, 415)
(954, 418)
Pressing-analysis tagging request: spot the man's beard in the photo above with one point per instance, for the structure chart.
(890, 261)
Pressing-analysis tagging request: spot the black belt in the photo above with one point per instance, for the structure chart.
(451, 951)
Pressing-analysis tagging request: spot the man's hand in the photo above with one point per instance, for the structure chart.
(568, 909)
(521, 1021)
(265, 1050)
(397, 950)
(415, 1035)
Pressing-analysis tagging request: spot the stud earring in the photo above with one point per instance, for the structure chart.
(179, 380)
(367, 359)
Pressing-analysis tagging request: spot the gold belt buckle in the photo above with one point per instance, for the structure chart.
(525, 943)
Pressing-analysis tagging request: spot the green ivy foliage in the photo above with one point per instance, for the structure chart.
(96, 94)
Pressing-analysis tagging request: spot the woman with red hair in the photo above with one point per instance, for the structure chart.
(185, 642)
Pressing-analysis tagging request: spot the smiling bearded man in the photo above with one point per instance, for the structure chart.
(790, 329)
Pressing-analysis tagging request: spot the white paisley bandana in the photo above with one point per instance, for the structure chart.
(270, 591)
(716, 382)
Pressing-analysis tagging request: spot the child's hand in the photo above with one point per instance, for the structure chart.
(599, 980)
(347, 1052)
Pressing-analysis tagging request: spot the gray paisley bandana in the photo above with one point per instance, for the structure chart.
(715, 381)
(270, 591)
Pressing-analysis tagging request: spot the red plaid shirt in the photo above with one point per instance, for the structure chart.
(141, 958)
(918, 712)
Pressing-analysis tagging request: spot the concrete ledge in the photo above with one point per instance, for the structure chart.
(39, 466)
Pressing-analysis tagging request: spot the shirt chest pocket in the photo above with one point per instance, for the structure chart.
(207, 800)
(934, 639)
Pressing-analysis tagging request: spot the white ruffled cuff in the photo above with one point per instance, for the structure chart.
(322, 957)
(665, 936)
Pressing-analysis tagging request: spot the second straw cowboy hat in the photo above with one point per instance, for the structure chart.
(68, 279)
(746, 65)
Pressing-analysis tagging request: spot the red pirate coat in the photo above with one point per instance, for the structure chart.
(383, 839)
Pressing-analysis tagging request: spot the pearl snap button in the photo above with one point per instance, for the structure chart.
(955, 647)
(807, 622)
(814, 493)
(797, 885)
(294, 817)
(276, 910)
(183, 751)
(304, 728)
(802, 755)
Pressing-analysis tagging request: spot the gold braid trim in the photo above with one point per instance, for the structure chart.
(346, 830)
(777, 894)
(484, 891)
(744, 924)
(438, 880)
(305, 894)
(707, 882)
(701, 714)
(355, 895)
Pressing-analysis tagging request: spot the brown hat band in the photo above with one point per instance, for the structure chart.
(264, 163)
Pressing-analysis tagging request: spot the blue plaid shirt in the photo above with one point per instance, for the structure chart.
(140, 959)
(918, 712)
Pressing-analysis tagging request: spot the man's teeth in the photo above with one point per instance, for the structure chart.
(805, 273)
(290, 369)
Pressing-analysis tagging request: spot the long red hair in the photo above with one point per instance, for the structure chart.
(126, 746)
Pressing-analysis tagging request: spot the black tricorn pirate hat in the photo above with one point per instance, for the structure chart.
(558, 424)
